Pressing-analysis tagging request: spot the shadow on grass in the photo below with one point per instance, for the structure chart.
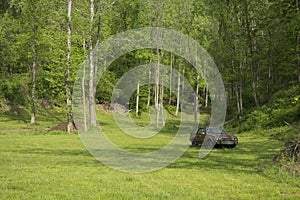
(16, 114)
(247, 157)
(54, 157)
(55, 152)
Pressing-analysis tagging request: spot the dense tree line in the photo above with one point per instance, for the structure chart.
(255, 45)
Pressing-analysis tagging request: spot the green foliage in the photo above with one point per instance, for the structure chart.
(252, 42)
(14, 89)
(105, 87)
(283, 106)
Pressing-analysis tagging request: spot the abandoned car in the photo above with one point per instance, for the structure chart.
(217, 137)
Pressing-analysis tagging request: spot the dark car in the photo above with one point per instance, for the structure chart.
(216, 136)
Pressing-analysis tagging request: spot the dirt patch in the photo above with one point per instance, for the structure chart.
(63, 126)
(60, 127)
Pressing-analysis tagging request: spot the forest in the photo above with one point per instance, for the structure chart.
(255, 45)
(52, 70)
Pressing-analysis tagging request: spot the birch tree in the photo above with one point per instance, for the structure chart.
(91, 92)
(68, 76)
(34, 68)
(137, 94)
(170, 77)
(178, 94)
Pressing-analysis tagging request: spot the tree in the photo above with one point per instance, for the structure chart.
(91, 92)
(34, 68)
(67, 79)
(297, 40)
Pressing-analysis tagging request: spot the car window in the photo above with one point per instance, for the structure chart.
(214, 130)
(200, 131)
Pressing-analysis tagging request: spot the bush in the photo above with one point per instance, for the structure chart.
(14, 89)
(283, 106)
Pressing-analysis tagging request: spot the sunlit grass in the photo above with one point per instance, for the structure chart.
(57, 166)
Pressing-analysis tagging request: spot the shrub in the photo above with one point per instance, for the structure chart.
(14, 89)
(283, 106)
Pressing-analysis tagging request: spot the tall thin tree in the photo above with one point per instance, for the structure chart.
(34, 68)
(91, 92)
(68, 76)
(298, 41)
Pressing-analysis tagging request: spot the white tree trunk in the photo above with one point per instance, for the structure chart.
(161, 102)
(196, 101)
(237, 99)
(206, 97)
(91, 98)
(149, 79)
(241, 85)
(137, 95)
(171, 74)
(33, 89)
(157, 75)
(149, 86)
(67, 81)
(182, 84)
(99, 21)
(178, 94)
(98, 39)
(156, 94)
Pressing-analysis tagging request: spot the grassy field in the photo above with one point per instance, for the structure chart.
(37, 164)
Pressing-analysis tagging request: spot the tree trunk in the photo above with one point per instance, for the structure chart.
(149, 78)
(149, 86)
(33, 89)
(156, 97)
(93, 121)
(253, 62)
(99, 22)
(170, 76)
(157, 75)
(205, 92)
(83, 99)
(206, 97)
(241, 84)
(83, 92)
(178, 94)
(68, 76)
(196, 100)
(236, 89)
(161, 102)
(297, 55)
(98, 39)
(298, 43)
(182, 84)
(34, 69)
(137, 94)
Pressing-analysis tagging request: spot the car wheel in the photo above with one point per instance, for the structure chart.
(232, 146)
(194, 143)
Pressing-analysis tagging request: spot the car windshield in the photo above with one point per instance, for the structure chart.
(215, 130)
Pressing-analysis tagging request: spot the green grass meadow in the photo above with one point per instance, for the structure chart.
(40, 164)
